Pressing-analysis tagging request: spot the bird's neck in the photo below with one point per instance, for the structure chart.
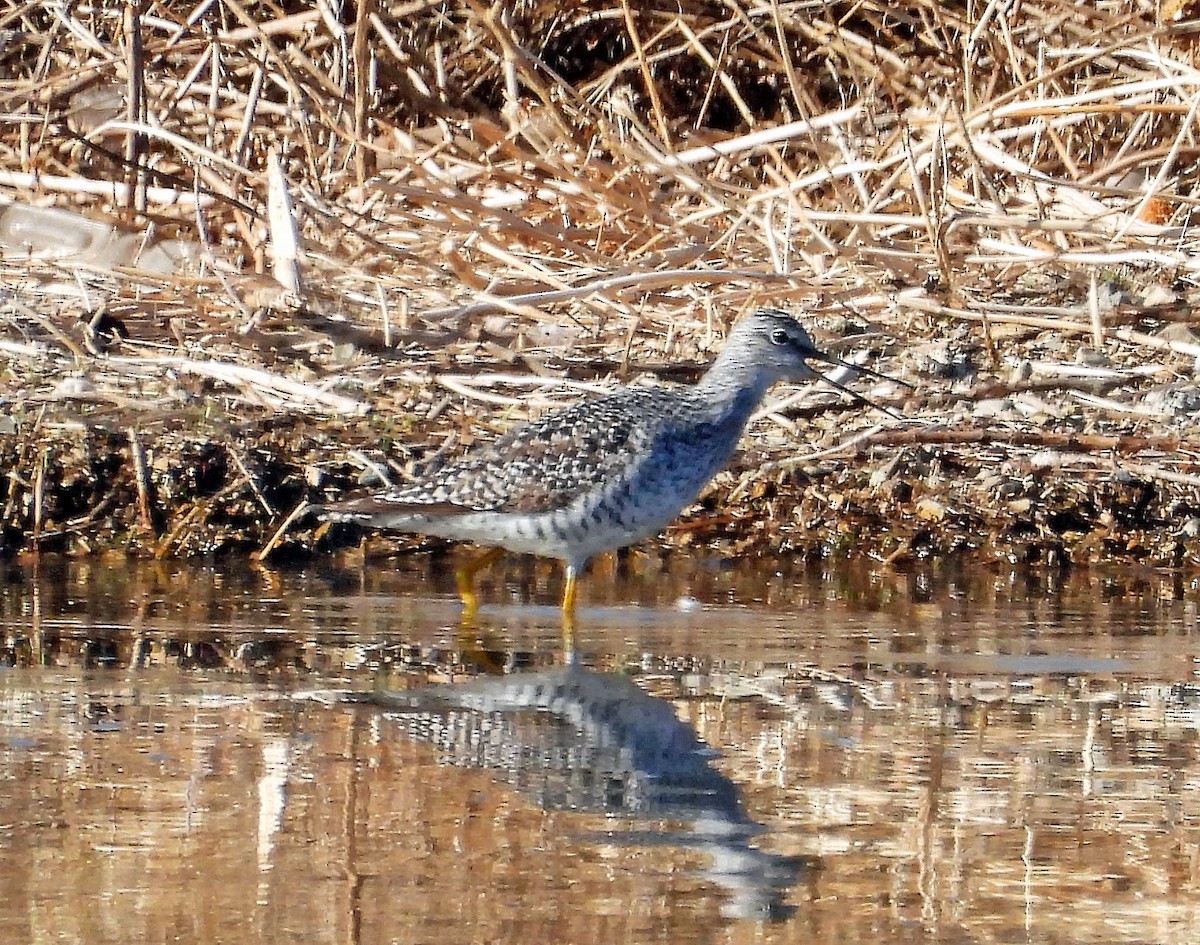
(732, 391)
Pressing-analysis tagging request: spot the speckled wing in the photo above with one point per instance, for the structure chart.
(538, 467)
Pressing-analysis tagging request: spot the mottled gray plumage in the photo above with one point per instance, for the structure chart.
(603, 473)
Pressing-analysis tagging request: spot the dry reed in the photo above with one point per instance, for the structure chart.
(367, 195)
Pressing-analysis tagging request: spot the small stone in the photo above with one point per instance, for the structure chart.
(1030, 406)
(70, 388)
(1177, 331)
(1092, 357)
(1109, 296)
(499, 326)
(1021, 372)
(1046, 459)
(1158, 295)
(1009, 488)
(993, 407)
(931, 510)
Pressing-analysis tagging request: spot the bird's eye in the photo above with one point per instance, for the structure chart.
(779, 337)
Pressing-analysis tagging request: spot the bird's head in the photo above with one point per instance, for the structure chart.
(767, 346)
(775, 344)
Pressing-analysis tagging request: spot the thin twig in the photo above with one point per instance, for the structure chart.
(277, 536)
(141, 478)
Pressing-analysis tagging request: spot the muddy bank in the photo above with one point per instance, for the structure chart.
(161, 491)
(364, 242)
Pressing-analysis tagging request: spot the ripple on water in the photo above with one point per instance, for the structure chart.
(855, 751)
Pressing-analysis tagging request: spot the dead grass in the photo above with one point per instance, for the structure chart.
(491, 206)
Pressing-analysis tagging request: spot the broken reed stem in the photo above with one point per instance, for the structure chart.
(648, 80)
(136, 140)
(1096, 318)
(277, 536)
(568, 216)
(364, 158)
(183, 522)
(251, 480)
(39, 496)
(141, 478)
(1046, 439)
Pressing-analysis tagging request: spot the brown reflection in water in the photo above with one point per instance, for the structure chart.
(139, 815)
(955, 758)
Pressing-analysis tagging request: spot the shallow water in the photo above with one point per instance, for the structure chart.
(733, 755)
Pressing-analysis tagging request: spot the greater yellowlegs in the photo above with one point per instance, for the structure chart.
(602, 474)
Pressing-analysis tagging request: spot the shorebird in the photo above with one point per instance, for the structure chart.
(603, 473)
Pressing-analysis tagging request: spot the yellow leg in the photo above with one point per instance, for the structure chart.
(569, 593)
(568, 615)
(464, 579)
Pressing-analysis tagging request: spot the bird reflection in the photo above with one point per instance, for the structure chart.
(574, 739)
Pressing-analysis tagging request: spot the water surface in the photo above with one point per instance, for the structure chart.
(732, 755)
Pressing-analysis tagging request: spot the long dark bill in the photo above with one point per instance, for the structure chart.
(838, 362)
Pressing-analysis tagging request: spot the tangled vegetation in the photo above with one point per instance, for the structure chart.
(255, 256)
